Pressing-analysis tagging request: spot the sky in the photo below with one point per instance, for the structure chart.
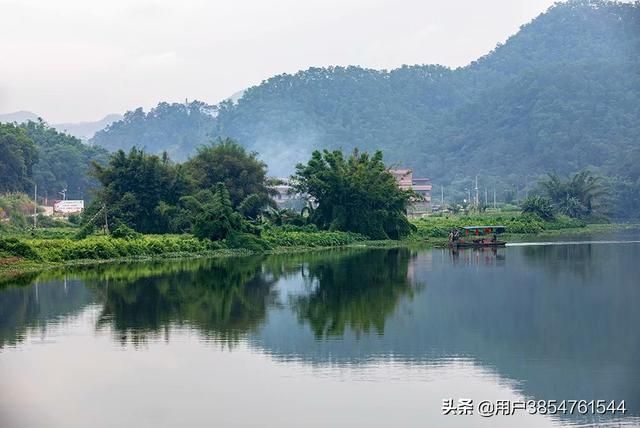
(79, 60)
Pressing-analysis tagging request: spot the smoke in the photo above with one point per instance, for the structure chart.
(282, 153)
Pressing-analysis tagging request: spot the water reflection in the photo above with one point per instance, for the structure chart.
(551, 322)
(222, 300)
(359, 292)
(476, 256)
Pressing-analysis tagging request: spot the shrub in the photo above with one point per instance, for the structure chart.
(124, 231)
(539, 206)
(284, 238)
(18, 248)
(247, 241)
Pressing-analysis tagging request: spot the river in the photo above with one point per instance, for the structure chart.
(353, 337)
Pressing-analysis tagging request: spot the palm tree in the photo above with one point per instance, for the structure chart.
(577, 197)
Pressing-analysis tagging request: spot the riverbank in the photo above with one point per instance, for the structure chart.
(22, 253)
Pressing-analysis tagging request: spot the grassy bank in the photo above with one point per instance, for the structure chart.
(435, 230)
(22, 252)
(515, 223)
(29, 251)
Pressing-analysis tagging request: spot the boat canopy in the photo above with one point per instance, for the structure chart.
(484, 229)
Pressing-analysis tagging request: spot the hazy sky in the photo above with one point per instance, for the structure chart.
(72, 60)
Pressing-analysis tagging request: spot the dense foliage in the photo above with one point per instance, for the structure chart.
(136, 190)
(561, 95)
(15, 209)
(208, 195)
(299, 238)
(439, 227)
(177, 129)
(581, 196)
(63, 163)
(104, 247)
(355, 194)
(227, 162)
(18, 154)
(34, 153)
(216, 219)
(538, 205)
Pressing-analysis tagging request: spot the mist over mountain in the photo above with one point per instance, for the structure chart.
(560, 95)
(86, 130)
(177, 128)
(81, 130)
(18, 117)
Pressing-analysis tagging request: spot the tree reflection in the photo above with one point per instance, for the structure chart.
(223, 299)
(358, 291)
(26, 308)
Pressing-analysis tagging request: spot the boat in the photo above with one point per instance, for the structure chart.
(477, 236)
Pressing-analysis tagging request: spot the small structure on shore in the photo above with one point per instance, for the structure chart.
(421, 206)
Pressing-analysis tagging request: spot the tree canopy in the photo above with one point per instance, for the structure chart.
(176, 128)
(35, 153)
(18, 154)
(581, 196)
(225, 161)
(64, 162)
(211, 195)
(138, 189)
(355, 194)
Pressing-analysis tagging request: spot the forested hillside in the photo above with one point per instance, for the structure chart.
(34, 153)
(560, 95)
(177, 129)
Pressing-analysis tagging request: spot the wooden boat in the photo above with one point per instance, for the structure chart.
(477, 236)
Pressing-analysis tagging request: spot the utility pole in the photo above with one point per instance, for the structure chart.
(486, 202)
(494, 196)
(477, 195)
(35, 205)
(106, 223)
(442, 196)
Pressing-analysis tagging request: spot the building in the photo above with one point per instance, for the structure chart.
(422, 186)
(283, 191)
(285, 195)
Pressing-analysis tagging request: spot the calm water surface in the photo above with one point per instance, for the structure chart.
(340, 338)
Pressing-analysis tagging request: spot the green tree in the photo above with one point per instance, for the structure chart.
(227, 162)
(581, 196)
(64, 162)
(137, 189)
(217, 219)
(356, 194)
(539, 206)
(18, 155)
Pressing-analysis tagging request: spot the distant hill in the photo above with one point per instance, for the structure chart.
(177, 128)
(81, 130)
(560, 95)
(86, 130)
(18, 117)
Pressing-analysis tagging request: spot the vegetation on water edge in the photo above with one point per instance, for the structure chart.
(282, 238)
(109, 247)
(439, 227)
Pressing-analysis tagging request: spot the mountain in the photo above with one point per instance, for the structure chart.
(81, 130)
(86, 130)
(560, 95)
(18, 117)
(175, 128)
